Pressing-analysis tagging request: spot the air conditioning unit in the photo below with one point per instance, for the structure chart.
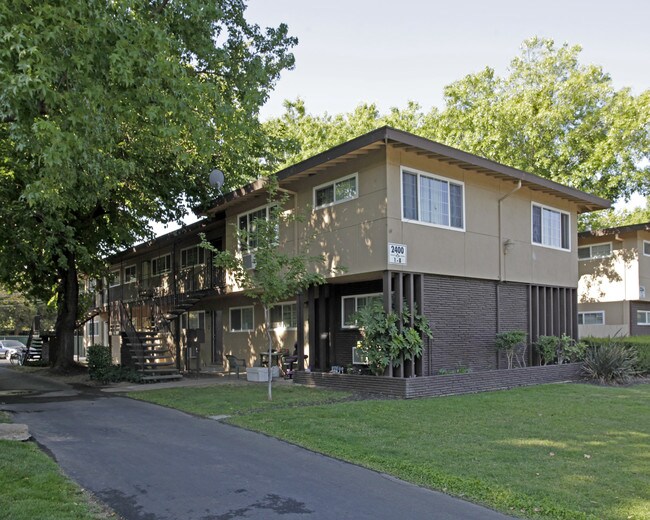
(249, 261)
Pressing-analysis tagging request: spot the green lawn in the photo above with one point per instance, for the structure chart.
(554, 451)
(34, 488)
(236, 399)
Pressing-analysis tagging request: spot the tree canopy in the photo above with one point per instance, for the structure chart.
(549, 115)
(111, 115)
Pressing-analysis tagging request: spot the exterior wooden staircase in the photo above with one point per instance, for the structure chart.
(150, 357)
(146, 352)
(34, 342)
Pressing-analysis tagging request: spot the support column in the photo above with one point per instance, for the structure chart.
(399, 308)
(300, 332)
(311, 319)
(388, 304)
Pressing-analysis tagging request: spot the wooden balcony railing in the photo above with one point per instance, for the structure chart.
(185, 281)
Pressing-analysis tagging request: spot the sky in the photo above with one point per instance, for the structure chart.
(391, 51)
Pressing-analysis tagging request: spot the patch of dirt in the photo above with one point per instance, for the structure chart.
(75, 375)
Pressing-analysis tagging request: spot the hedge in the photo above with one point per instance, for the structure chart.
(640, 344)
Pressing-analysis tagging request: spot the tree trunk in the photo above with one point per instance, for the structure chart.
(68, 304)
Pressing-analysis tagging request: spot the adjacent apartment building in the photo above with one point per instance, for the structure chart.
(614, 287)
(477, 246)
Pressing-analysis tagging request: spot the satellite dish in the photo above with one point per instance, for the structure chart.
(217, 178)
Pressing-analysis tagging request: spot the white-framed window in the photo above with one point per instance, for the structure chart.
(191, 256)
(130, 274)
(551, 227)
(241, 319)
(284, 316)
(358, 356)
(193, 320)
(350, 305)
(643, 317)
(595, 251)
(432, 200)
(246, 221)
(646, 247)
(92, 328)
(340, 190)
(591, 318)
(161, 264)
(114, 278)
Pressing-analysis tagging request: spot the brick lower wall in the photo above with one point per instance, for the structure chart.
(635, 328)
(453, 384)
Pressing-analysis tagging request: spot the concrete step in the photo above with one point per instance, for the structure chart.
(153, 379)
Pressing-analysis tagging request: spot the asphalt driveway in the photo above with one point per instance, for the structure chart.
(153, 463)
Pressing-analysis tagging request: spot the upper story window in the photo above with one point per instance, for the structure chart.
(246, 221)
(192, 256)
(591, 318)
(284, 316)
(433, 200)
(646, 248)
(350, 305)
(114, 278)
(551, 227)
(130, 275)
(643, 317)
(595, 251)
(335, 192)
(161, 265)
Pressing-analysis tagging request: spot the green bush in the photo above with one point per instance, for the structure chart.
(546, 347)
(513, 343)
(639, 344)
(387, 339)
(99, 360)
(610, 363)
(102, 369)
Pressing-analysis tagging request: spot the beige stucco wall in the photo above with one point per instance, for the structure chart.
(475, 251)
(644, 264)
(617, 277)
(617, 319)
(355, 234)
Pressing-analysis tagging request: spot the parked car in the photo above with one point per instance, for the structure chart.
(10, 346)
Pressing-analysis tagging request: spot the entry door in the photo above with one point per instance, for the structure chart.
(217, 338)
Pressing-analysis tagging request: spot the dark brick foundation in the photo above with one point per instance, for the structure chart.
(453, 384)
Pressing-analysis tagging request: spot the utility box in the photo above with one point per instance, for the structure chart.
(261, 374)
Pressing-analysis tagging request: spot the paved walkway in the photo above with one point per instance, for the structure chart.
(153, 463)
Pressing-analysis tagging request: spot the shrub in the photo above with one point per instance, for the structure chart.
(564, 349)
(99, 360)
(547, 347)
(102, 369)
(639, 344)
(610, 363)
(382, 341)
(513, 343)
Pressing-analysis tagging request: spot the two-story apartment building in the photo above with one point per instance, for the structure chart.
(614, 287)
(477, 246)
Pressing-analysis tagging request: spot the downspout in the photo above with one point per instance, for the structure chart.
(501, 255)
(501, 250)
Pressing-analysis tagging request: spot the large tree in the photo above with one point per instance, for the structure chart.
(549, 115)
(111, 115)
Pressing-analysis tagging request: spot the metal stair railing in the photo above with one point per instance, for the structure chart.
(126, 325)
